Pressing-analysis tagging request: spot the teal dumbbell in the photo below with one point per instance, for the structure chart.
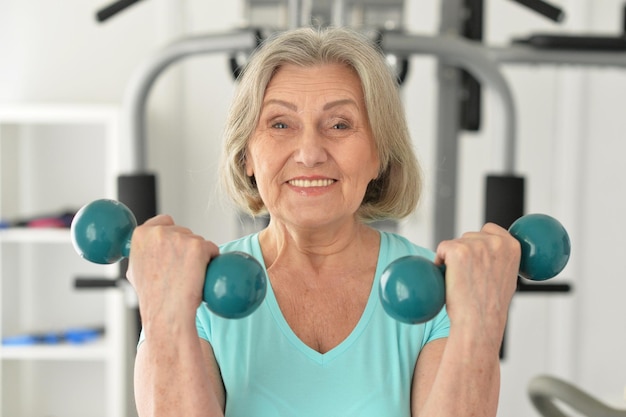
(235, 282)
(412, 288)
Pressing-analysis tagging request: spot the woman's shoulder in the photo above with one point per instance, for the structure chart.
(397, 245)
(247, 243)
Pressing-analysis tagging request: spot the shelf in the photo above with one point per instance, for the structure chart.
(35, 235)
(58, 113)
(97, 350)
(55, 157)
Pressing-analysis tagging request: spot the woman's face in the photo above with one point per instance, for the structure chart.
(312, 152)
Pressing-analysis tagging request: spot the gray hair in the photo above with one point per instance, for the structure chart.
(394, 194)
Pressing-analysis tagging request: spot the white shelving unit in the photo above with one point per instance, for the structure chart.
(56, 158)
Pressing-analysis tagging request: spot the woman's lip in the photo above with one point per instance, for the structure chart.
(311, 182)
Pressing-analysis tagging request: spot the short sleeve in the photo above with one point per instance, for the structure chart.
(203, 323)
(438, 327)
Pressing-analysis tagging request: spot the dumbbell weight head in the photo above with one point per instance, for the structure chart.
(235, 282)
(235, 285)
(545, 244)
(412, 289)
(101, 231)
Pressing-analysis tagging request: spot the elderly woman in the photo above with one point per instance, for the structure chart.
(317, 139)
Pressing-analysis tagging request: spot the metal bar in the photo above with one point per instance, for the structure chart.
(294, 13)
(477, 60)
(448, 125)
(138, 89)
(338, 13)
(544, 8)
(113, 9)
(521, 54)
(446, 153)
(547, 393)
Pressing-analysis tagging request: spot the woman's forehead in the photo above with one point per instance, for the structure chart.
(328, 82)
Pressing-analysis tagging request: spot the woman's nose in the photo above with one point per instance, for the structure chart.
(310, 149)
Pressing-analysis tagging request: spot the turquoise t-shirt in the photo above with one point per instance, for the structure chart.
(269, 372)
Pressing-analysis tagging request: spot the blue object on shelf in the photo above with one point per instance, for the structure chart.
(73, 336)
(50, 338)
(79, 336)
(20, 340)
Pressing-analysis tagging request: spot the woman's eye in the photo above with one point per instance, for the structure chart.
(340, 126)
(279, 125)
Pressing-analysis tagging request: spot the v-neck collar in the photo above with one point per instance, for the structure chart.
(281, 322)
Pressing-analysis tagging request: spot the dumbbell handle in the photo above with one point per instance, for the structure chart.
(412, 288)
(235, 283)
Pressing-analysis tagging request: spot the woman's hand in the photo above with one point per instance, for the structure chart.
(167, 268)
(481, 278)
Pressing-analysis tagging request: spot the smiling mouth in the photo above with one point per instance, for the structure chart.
(311, 183)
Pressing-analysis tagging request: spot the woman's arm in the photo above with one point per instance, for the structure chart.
(460, 375)
(175, 373)
(178, 379)
(455, 382)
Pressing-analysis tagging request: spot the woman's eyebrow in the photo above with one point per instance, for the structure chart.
(341, 102)
(283, 103)
(327, 106)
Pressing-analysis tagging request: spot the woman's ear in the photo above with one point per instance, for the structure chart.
(249, 169)
(249, 165)
(379, 170)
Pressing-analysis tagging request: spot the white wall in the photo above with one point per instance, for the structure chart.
(571, 124)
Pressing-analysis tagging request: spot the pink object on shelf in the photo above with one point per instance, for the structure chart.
(47, 222)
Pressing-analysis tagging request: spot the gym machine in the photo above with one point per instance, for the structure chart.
(546, 392)
(465, 65)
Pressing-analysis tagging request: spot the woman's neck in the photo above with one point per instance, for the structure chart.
(318, 248)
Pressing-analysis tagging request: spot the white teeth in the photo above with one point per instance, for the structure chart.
(311, 183)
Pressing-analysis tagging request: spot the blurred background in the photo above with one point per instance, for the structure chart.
(64, 80)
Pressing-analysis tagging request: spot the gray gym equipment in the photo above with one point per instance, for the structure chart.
(453, 52)
(546, 392)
